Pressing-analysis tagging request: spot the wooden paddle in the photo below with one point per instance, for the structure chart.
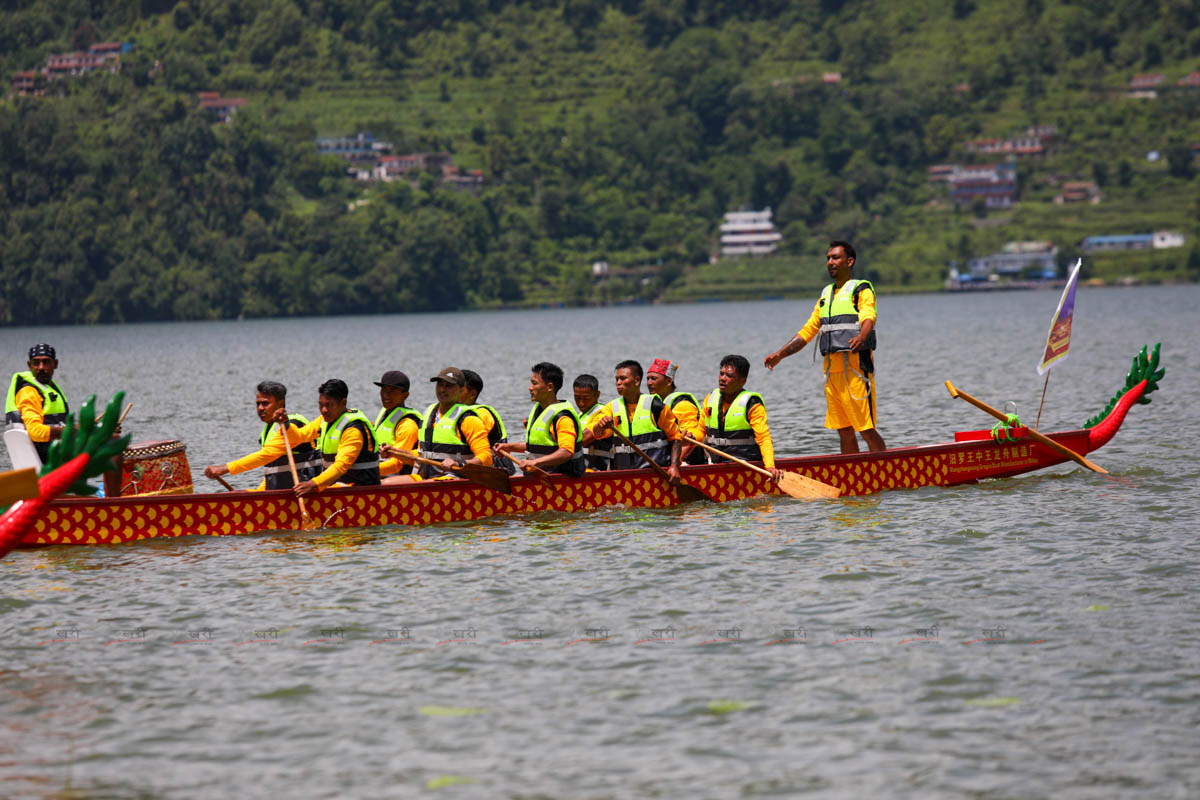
(224, 483)
(534, 471)
(309, 523)
(124, 414)
(685, 493)
(21, 484)
(798, 486)
(492, 478)
(1037, 437)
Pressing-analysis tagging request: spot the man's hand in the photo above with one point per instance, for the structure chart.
(858, 341)
(281, 415)
(674, 476)
(216, 471)
(603, 423)
(391, 451)
(308, 487)
(504, 448)
(771, 361)
(776, 475)
(449, 464)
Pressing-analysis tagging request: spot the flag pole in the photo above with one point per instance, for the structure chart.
(1036, 425)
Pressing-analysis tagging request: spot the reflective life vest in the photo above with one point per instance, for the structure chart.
(838, 312)
(642, 430)
(733, 433)
(54, 407)
(385, 429)
(308, 460)
(441, 437)
(698, 455)
(599, 455)
(365, 469)
(541, 437)
(497, 435)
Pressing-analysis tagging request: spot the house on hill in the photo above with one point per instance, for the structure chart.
(1144, 87)
(749, 233)
(995, 184)
(223, 108)
(359, 147)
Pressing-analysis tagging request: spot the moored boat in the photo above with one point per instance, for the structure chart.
(972, 456)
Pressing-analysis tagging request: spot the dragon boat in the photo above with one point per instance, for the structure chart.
(972, 456)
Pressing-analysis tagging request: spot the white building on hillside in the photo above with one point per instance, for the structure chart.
(749, 233)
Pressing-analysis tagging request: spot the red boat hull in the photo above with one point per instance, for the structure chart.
(109, 521)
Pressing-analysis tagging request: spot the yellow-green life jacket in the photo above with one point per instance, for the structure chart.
(732, 434)
(365, 469)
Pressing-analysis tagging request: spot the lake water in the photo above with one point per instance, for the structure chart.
(737, 661)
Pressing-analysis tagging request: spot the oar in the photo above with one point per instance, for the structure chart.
(309, 523)
(21, 484)
(536, 472)
(124, 414)
(1037, 437)
(492, 478)
(224, 483)
(798, 486)
(685, 493)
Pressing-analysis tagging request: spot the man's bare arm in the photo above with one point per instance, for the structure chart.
(791, 348)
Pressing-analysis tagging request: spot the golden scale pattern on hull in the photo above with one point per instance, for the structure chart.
(92, 521)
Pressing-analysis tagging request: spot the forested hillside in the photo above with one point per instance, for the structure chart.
(616, 131)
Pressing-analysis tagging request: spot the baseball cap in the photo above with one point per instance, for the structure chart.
(394, 378)
(450, 375)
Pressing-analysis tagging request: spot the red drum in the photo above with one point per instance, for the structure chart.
(152, 468)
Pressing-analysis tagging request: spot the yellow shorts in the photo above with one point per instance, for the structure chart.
(849, 401)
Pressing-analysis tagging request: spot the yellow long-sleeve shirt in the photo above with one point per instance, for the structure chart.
(688, 417)
(29, 403)
(349, 447)
(405, 437)
(866, 311)
(757, 417)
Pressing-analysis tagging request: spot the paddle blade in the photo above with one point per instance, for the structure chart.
(690, 494)
(19, 485)
(803, 487)
(490, 477)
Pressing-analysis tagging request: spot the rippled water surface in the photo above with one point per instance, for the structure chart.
(760, 648)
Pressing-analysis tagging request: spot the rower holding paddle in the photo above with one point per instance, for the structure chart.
(586, 389)
(660, 379)
(643, 419)
(452, 433)
(396, 425)
(269, 397)
(735, 420)
(497, 433)
(344, 438)
(552, 429)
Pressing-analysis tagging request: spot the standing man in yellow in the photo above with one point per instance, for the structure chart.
(736, 420)
(587, 399)
(344, 438)
(396, 425)
(269, 397)
(644, 419)
(844, 318)
(660, 379)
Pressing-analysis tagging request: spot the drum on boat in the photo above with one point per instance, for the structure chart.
(154, 468)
